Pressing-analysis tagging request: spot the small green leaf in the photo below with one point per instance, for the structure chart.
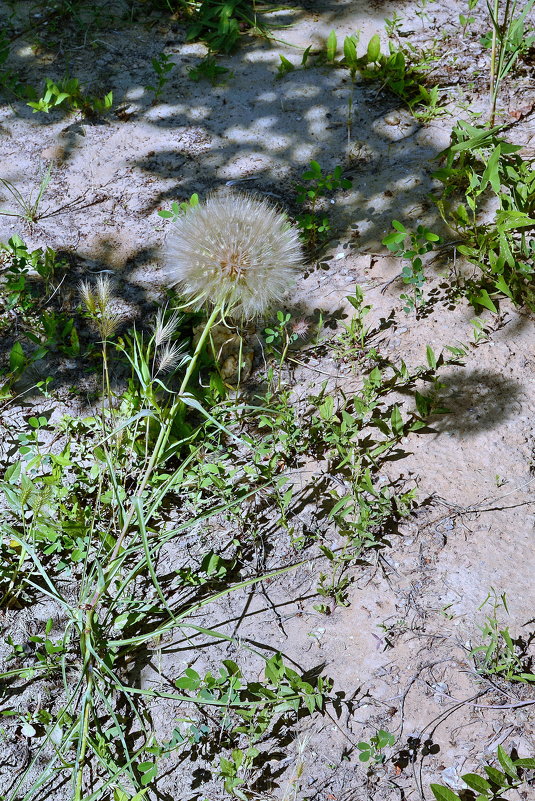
(374, 48)
(17, 359)
(396, 421)
(285, 66)
(502, 286)
(507, 763)
(350, 52)
(484, 299)
(475, 782)
(431, 358)
(331, 46)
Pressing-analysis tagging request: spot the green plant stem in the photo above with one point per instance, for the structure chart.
(282, 358)
(499, 35)
(208, 327)
(78, 785)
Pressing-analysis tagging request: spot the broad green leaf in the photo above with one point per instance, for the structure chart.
(17, 359)
(350, 52)
(475, 782)
(431, 358)
(394, 240)
(491, 172)
(502, 286)
(331, 46)
(484, 299)
(509, 220)
(443, 793)
(423, 404)
(507, 763)
(529, 764)
(496, 776)
(396, 420)
(327, 408)
(374, 48)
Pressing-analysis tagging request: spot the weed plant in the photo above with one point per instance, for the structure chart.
(402, 71)
(481, 167)
(498, 654)
(88, 525)
(315, 228)
(515, 774)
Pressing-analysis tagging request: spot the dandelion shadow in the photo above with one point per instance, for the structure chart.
(477, 400)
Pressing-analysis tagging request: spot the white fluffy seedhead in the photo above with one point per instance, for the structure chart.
(233, 251)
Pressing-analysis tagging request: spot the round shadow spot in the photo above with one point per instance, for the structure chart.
(478, 400)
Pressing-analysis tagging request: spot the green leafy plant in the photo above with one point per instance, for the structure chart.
(284, 67)
(69, 94)
(220, 23)
(18, 262)
(499, 654)
(508, 42)
(393, 71)
(314, 227)
(393, 24)
(479, 165)
(178, 209)
(410, 246)
(162, 66)
(209, 70)
(373, 751)
(514, 773)
(464, 20)
(281, 337)
(28, 208)
(356, 332)
(54, 331)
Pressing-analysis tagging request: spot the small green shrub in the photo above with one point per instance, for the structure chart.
(515, 774)
(69, 94)
(480, 166)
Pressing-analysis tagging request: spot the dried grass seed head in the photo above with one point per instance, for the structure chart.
(164, 330)
(170, 357)
(234, 251)
(100, 304)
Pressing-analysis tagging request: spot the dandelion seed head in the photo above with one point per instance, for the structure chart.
(234, 251)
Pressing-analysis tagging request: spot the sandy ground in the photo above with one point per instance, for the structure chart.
(400, 649)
